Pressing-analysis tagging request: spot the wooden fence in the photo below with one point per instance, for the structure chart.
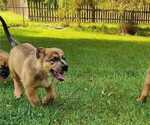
(39, 11)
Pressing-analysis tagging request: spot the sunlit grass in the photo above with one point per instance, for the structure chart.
(51, 32)
(12, 18)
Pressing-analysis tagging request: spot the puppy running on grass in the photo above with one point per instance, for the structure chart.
(29, 67)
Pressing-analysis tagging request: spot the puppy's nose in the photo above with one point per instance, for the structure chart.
(65, 67)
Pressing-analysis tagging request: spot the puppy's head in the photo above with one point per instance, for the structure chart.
(53, 61)
(4, 70)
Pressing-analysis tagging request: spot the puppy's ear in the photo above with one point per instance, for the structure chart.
(40, 52)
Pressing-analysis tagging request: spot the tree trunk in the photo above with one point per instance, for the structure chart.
(128, 25)
(93, 14)
(78, 16)
(18, 6)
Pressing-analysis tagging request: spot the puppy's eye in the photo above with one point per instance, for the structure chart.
(63, 58)
(55, 59)
(51, 62)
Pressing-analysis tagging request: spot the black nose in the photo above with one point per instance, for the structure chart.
(65, 67)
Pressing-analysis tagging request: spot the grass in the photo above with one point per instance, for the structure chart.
(12, 18)
(105, 76)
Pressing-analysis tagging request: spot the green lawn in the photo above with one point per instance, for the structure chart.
(105, 76)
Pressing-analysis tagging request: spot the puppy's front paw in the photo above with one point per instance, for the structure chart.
(48, 100)
(141, 99)
(35, 102)
(17, 94)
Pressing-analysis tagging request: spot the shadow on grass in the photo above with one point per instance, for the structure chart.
(71, 43)
(85, 57)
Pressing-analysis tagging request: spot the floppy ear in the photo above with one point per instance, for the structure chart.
(40, 52)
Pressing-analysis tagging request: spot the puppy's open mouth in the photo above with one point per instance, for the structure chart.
(58, 75)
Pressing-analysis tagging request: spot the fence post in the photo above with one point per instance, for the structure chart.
(23, 16)
(93, 14)
(38, 11)
(79, 16)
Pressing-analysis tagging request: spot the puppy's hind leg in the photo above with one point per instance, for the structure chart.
(146, 88)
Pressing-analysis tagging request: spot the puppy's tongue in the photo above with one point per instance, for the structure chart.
(58, 76)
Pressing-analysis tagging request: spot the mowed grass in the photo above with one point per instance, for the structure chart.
(105, 76)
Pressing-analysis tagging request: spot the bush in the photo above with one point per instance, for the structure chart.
(128, 28)
(3, 4)
(104, 28)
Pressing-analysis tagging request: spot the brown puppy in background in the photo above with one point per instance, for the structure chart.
(4, 70)
(29, 67)
(146, 88)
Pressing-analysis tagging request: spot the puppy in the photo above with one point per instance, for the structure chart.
(146, 88)
(4, 70)
(29, 67)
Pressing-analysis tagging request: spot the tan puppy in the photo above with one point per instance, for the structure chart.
(146, 88)
(29, 67)
(4, 70)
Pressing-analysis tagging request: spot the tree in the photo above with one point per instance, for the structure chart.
(91, 3)
(3, 4)
(54, 3)
(22, 6)
(69, 5)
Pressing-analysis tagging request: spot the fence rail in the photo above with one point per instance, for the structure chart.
(39, 11)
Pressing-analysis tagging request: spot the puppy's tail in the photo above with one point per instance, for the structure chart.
(11, 40)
